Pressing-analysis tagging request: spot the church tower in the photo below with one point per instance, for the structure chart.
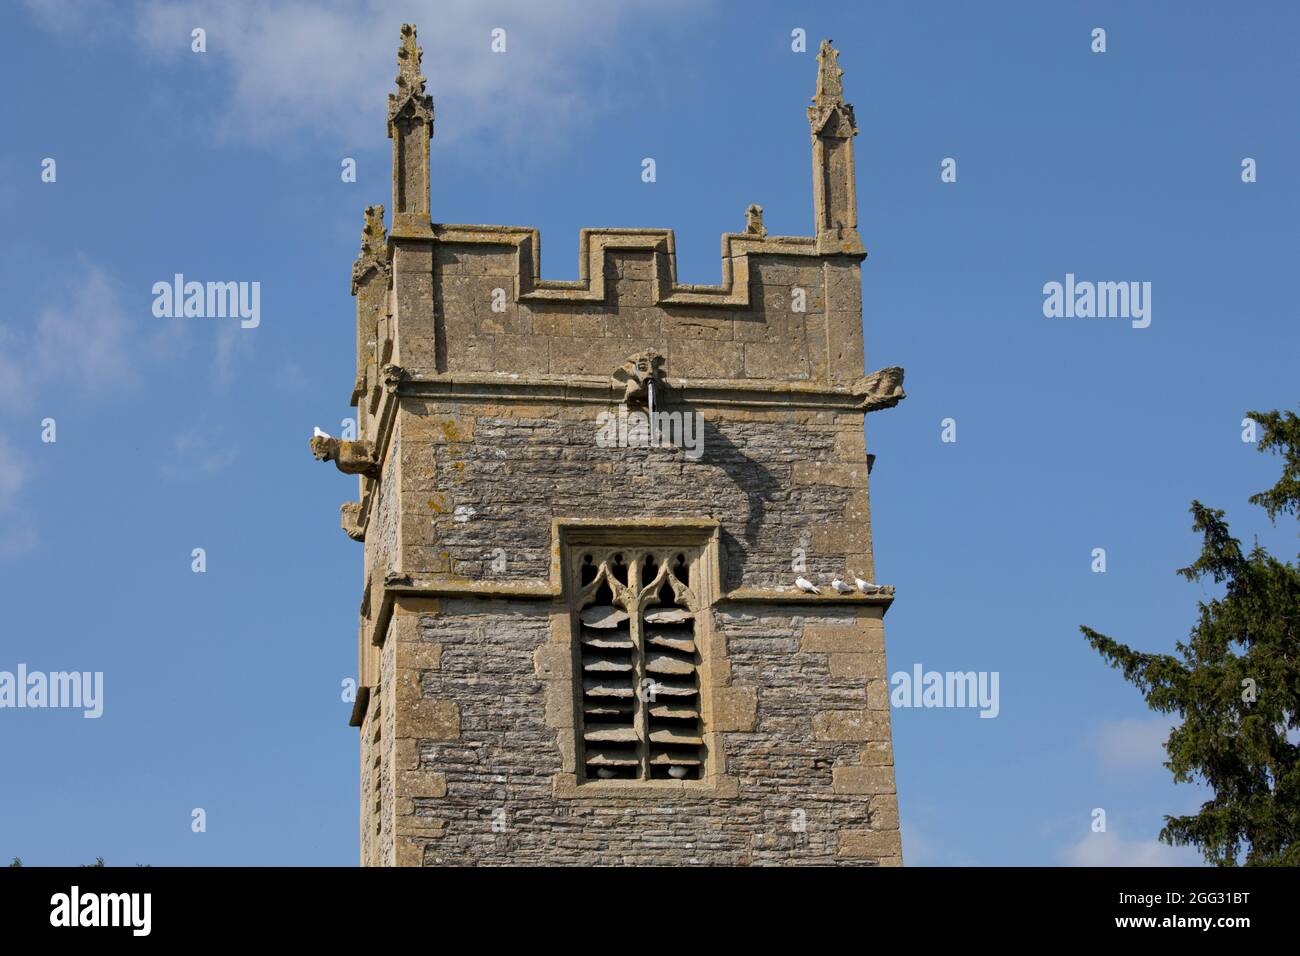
(601, 521)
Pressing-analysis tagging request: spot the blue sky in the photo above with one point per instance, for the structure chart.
(222, 690)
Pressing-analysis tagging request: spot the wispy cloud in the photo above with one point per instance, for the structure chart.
(16, 533)
(1110, 849)
(198, 452)
(66, 14)
(1129, 743)
(921, 850)
(327, 67)
(79, 341)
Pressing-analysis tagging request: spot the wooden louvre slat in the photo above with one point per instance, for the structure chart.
(679, 760)
(603, 617)
(603, 642)
(675, 737)
(612, 758)
(613, 665)
(605, 688)
(610, 733)
(667, 664)
(673, 641)
(674, 711)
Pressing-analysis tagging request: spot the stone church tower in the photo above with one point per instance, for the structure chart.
(601, 522)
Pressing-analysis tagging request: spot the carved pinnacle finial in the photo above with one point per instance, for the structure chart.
(410, 97)
(374, 246)
(754, 220)
(829, 74)
(830, 91)
(373, 232)
(409, 54)
(835, 203)
(410, 124)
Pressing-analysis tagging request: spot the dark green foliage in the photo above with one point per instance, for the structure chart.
(1235, 683)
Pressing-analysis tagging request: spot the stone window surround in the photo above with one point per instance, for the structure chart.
(558, 662)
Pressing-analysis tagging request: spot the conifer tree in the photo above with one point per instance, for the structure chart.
(1235, 683)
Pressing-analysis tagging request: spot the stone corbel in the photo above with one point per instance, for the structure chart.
(882, 389)
(351, 457)
(391, 376)
(350, 519)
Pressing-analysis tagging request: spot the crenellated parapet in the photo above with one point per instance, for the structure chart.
(596, 248)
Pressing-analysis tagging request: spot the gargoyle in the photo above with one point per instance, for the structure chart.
(638, 375)
(351, 457)
(883, 389)
(754, 221)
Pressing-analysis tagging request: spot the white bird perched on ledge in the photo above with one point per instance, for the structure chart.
(866, 587)
(805, 585)
(840, 586)
(317, 433)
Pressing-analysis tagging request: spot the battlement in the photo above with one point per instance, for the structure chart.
(597, 246)
(440, 299)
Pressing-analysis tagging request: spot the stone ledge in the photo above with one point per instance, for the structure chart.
(793, 595)
(592, 390)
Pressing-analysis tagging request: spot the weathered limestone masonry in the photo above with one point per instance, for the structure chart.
(576, 649)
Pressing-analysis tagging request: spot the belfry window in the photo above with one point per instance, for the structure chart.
(636, 635)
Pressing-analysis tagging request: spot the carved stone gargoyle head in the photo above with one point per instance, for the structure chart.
(636, 374)
(351, 457)
(882, 389)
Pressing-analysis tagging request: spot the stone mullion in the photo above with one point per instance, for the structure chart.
(641, 715)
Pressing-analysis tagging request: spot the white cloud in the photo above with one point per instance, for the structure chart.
(1110, 849)
(16, 533)
(200, 451)
(66, 14)
(13, 475)
(80, 341)
(233, 345)
(83, 339)
(1124, 744)
(328, 67)
(920, 850)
